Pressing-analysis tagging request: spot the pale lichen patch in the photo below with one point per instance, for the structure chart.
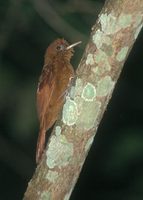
(124, 20)
(99, 38)
(108, 23)
(59, 152)
(108, 49)
(79, 86)
(72, 92)
(105, 85)
(121, 55)
(102, 60)
(79, 102)
(90, 59)
(88, 114)
(69, 115)
(45, 196)
(89, 92)
(58, 130)
(111, 24)
(52, 176)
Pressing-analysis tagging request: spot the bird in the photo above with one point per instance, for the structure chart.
(53, 83)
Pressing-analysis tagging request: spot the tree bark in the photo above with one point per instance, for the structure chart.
(111, 40)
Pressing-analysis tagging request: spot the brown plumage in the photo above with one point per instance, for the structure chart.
(53, 83)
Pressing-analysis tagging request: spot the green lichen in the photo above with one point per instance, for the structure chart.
(87, 113)
(122, 54)
(101, 59)
(108, 49)
(78, 86)
(105, 85)
(45, 196)
(108, 23)
(89, 92)
(69, 115)
(72, 92)
(111, 24)
(90, 59)
(99, 38)
(124, 20)
(52, 176)
(58, 130)
(59, 152)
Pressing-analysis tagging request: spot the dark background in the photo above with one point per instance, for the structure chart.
(114, 167)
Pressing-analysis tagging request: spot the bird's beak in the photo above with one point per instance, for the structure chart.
(73, 45)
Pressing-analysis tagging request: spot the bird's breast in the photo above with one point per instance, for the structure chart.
(63, 74)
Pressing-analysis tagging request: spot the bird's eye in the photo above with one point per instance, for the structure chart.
(58, 47)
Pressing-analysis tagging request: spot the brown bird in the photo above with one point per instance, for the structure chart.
(53, 84)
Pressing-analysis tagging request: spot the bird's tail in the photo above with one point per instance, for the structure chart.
(40, 145)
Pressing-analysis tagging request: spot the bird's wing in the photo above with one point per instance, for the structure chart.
(44, 92)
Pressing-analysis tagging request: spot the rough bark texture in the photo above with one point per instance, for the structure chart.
(111, 40)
